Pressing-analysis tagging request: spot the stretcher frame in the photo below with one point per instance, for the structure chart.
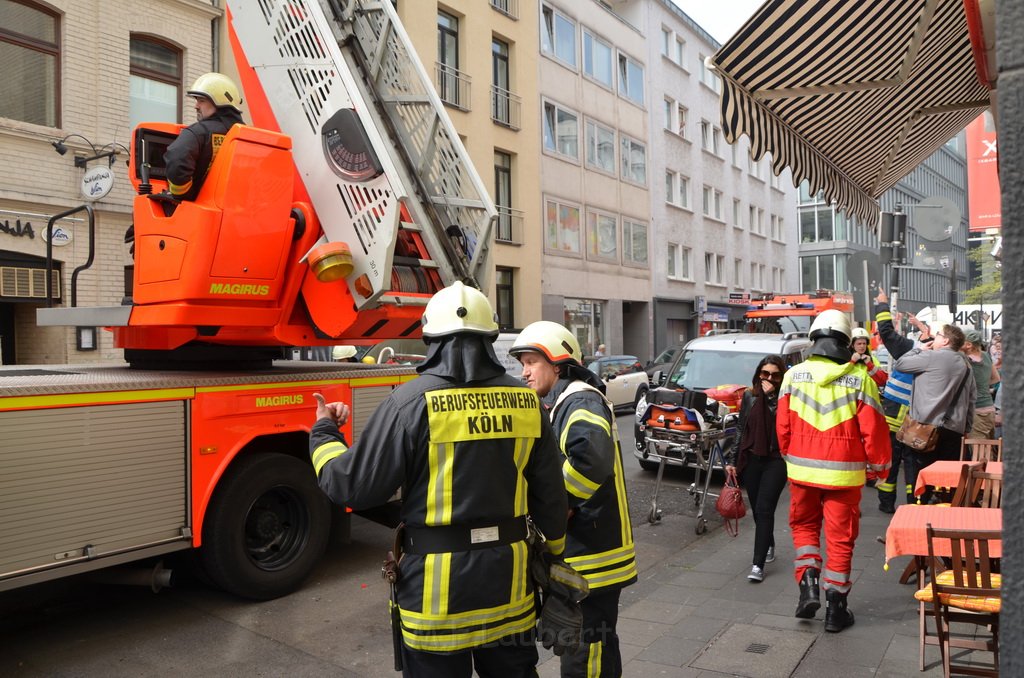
(703, 451)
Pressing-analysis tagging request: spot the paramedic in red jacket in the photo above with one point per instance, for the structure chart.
(831, 431)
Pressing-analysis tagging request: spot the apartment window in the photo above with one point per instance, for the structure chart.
(677, 189)
(678, 51)
(678, 262)
(561, 130)
(602, 236)
(716, 141)
(705, 135)
(669, 111)
(600, 147)
(736, 213)
(713, 265)
(823, 272)
(782, 230)
(816, 224)
(30, 53)
(634, 242)
(754, 284)
(448, 58)
(760, 221)
(708, 76)
(706, 201)
(681, 115)
(761, 271)
(712, 203)
(558, 35)
(631, 79)
(501, 79)
(634, 160)
(503, 194)
(505, 294)
(737, 271)
(562, 228)
(752, 217)
(666, 41)
(154, 87)
(597, 58)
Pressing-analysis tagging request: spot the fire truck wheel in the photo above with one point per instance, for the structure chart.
(267, 526)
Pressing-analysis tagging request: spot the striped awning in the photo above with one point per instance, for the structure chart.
(851, 95)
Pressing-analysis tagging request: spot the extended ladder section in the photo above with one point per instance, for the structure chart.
(383, 166)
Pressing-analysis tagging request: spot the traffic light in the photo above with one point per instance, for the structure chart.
(899, 238)
(885, 238)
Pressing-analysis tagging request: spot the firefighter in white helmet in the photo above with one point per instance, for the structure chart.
(860, 344)
(188, 158)
(599, 543)
(474, 455)
(831, 431)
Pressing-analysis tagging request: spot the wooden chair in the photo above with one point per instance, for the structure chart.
(964, 495)
(969, 592)
(985, 490)
(981, 449)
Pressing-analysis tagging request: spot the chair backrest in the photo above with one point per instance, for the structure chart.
(981, 449)
(985, 489)
(962, 495)
(971, 563)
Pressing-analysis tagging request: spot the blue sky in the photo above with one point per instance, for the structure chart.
(720, 18)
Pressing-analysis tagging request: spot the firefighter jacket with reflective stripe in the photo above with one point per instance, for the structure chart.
(830, 424)
(599, 544)
(189, 157)
(464, 454)
(898, 386)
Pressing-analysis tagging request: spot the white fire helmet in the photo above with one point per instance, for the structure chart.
(553, 341)
(459, 308)
(831, 323)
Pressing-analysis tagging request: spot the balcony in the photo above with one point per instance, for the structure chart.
(509, 8)
(506, 108)
(453, 86)
(510, 225)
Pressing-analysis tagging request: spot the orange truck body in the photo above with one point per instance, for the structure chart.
(779, 305)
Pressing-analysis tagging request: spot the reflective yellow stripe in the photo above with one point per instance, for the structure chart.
(885, 487)
(520, 570)
(594, 660)
(436, 575)
(825, 477)
(179, 189)
(439, 486)
(582, 415)
(324, 453)
(422, 631)
(524, 446)
(883, 316)
(823, 416)
(615, 566)
(556, 546)
(465, 414)
(576, 483)
(625, 527)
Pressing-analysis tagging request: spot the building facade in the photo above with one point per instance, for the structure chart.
(482, 57)
(722, 223)
(79, 76)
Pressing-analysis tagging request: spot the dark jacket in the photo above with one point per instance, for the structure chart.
(466, 454)
(188, 158)
(599, 543)
(737, 453)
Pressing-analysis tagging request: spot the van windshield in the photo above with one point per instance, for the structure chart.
(699, 370)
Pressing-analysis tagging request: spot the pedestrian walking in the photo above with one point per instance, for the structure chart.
(599, 541)
(756, 458)
(831, 431)
(474, 455)
(986, 380)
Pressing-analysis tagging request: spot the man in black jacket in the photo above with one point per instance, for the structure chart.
(474, 455)
(188, 158)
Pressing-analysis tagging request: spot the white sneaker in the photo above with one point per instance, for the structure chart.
(756, 574)
(771, 555)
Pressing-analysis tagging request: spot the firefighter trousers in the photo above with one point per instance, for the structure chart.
(513, 656)
(839, 509)
(900, 454)
(598, 656)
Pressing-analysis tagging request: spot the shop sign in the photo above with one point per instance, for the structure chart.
(61, 236)
(97, 182)
(18, 229)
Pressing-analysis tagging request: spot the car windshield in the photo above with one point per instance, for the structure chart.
(667, 355)
(698, 370)
(781, 324)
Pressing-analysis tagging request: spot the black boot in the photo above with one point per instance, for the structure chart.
(887, 502)
(809, 597)
(837, 616)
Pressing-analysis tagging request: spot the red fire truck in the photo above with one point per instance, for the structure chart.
(330, 221)
(785, 313)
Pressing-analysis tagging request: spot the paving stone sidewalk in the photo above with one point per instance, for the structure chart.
(694, 613)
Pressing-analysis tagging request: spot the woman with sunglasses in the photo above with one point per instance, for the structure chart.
(756, 458)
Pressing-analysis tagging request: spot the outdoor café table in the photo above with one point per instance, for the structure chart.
(947, 474)
(907, 536)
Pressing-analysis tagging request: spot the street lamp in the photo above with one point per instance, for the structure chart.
(82, 161)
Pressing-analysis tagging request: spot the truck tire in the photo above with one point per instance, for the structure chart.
(266, 528)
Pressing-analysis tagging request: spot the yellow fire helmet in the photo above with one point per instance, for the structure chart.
(551, 340)
(218, 88)
(459, 308)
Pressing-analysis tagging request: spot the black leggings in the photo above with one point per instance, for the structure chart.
(764, 478)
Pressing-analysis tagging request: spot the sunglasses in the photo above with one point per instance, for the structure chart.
(771, 376)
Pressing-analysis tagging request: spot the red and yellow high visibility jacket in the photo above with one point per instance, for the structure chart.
(830, 424)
